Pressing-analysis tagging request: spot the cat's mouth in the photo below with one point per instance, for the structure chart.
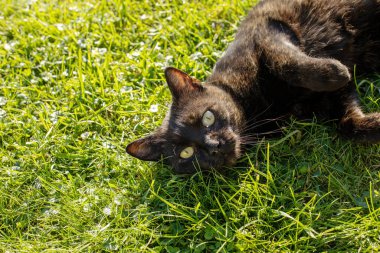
(227, 155)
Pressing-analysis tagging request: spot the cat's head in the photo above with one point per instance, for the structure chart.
(201, 129)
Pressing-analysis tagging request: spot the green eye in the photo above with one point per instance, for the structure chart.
(187, 153)
(208, 119)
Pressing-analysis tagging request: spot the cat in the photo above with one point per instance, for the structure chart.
(289, 57)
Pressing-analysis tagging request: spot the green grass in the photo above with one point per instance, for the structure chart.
(79, 80)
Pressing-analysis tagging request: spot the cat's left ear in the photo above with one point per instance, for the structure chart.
(181, 83)
(148, 149)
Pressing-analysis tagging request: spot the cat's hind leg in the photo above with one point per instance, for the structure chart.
(356, 125)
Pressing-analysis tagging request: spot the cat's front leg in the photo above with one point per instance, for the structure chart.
(285, 59)
(356, 125)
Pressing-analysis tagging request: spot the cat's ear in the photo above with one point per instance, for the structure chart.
(181, 83)
(148, 148)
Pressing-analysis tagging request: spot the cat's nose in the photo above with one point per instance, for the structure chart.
(212, 141)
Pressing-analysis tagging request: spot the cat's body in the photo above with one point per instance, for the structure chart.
(290, 57)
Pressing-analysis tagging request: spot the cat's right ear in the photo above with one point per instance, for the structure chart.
(147, 149)
(181, 83)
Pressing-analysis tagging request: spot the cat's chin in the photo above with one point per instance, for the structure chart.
(224, 160)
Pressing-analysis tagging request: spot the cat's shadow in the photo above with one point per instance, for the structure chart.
(271, 175)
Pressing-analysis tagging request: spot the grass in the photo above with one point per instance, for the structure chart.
(79, 80)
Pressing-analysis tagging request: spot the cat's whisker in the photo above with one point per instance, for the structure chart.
(261, 123)
(256, 136)
(253, 119)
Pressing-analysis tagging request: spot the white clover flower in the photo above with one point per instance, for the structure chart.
(3, 113)
(34, 81)
(102, 50)
(54, 117)
(153, 108)
(81, 43)
(60, 26)
(16, 168)
(7, 47)
(87, 207)
(117, 200)
(3, 101)
(46, 76)
(125, 89)
(120, 76)
(196, 56)
(107, 211)
(85, 135)
(108, 145)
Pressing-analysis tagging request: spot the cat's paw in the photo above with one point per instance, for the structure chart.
(325, 75)
(365, 129)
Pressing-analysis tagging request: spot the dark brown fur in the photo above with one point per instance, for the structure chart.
(290, 57)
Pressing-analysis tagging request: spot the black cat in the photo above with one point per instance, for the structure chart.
(290, 57)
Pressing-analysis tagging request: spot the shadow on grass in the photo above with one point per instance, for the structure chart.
(301, 192)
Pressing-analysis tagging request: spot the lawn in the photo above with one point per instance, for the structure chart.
(81, 79)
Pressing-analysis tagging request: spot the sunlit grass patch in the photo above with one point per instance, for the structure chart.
(79, 80)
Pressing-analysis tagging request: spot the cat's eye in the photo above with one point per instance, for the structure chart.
(187, 153)
(208, 119)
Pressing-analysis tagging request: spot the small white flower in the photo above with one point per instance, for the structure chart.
(34, 81)
(80, 20)
(144, 16)
(22, 96)
(46, 76)
(15, 168)
(120, 76)
(136, 53)
(99, 51)
(3, 101)
(108, 145)
(42, 63)
(37, 184)
(60, 27)
(117, 200)
(125, 89)
(85, 135)
(74, 9)
(102, 50)
(2, 113)
(81, 43)
(54, 117)
(50, 212)
(7, 47)
(53, 200)
(87, 207)
(153, 108)
(107, 211)
(196, 56)
(169, 58)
